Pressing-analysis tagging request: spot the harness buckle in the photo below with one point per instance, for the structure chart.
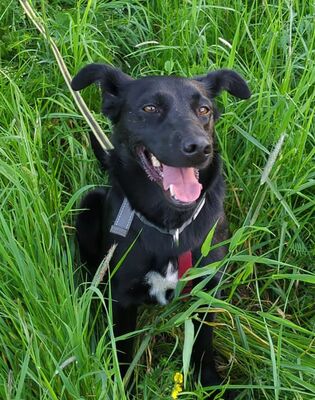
(176, 236)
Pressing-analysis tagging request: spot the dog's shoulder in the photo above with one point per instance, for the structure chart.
(91, 226)
(95, 197)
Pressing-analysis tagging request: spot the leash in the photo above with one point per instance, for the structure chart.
(126, 214)
(94, 126)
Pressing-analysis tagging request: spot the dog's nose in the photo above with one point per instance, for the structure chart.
(199, 146)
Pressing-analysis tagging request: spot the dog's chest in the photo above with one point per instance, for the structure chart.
(161, 286)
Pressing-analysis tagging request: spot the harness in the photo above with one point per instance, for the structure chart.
(126, 215)
(124, 220)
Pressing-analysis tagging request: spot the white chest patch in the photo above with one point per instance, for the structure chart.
(159, 284)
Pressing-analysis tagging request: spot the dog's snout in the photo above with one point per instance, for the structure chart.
(199, 146)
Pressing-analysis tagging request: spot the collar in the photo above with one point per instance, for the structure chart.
(126, 215)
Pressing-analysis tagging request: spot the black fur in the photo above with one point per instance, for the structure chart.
(179, 134)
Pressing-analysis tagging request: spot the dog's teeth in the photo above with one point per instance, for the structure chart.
(172, 190)
(155, 162)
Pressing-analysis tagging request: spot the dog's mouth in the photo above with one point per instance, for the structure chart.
(180, 184)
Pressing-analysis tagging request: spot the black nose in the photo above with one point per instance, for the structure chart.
(199, 146)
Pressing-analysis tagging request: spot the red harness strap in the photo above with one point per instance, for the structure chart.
(184, 263)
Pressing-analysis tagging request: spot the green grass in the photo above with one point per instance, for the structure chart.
(51, 346)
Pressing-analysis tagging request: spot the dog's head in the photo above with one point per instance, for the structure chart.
(165, 123)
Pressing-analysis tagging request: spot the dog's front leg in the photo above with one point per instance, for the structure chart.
(202, 354)
(124, 319)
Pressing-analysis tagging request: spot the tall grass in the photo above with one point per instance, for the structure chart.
(52, 347)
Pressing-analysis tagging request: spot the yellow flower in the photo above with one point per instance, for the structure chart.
(178, 378)
(178, 387)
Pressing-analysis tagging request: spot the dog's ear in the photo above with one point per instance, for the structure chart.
(111, 81)
(225, 79)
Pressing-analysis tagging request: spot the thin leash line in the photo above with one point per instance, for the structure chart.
(96, 129)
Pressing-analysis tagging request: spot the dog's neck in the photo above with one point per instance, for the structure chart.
(147, 198)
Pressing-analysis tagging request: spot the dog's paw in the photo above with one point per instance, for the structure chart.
(216, 395)
(209, 378)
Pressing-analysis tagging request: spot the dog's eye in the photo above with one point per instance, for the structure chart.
(150, 108)
(203, 110)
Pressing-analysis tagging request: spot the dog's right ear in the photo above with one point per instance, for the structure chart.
(111, 80)
(225, 79)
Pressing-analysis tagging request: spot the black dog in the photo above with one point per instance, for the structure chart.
(167, 192)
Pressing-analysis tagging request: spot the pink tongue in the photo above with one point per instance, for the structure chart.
(186, 187)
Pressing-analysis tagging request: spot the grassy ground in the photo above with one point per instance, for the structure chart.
(265, 337)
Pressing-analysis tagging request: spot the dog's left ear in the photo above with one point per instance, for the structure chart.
(225, 79)
(111, 80)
